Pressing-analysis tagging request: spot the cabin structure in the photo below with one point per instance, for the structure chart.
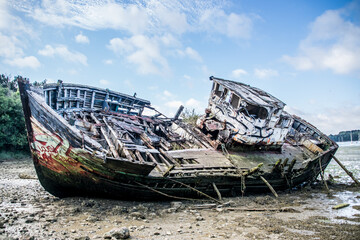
(249, 116)
(62, 96)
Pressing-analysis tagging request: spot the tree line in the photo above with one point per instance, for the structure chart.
(346, 136)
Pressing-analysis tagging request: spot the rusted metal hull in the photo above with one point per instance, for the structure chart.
(66, 168)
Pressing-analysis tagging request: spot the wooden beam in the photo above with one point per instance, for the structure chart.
(138, 155)
(217, 191)
(92, 99)
(78, 95)
(269, 186)
(84, 104)
(104, 133)
(120, 144)
(347, 171)
(172, 160)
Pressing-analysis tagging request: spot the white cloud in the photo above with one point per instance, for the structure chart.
(80, 38)
(108, 61)
(142, 51)
(104, 82)
(233, 25)
(195, 104)
(190, 53)
(92, 15)
(8, 47)
(31, 62)
(333, 43)
(168, 94)
(193, 54)
(13, 25)
(169, 16)
(64, 53)
(140, 16)
(173, 104)
(14, 55)
(265, 73)
(332, 120)
(237, 73)
(187, 77)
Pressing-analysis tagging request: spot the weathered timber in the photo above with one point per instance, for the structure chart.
(341, 205)
(106, 137)
(269, 186)
(322, 176)
(345, 169)
(120, 144)
(217, 191)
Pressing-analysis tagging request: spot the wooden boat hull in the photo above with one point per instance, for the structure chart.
(65, 168)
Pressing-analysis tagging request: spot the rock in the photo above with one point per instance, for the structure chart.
(92, 219)
(120, 210)
(76, 210)
(199, 218)
(137, 215)
(120, 233)
(29, 220)
(88, 203)
(26, 176)
(177, 205)
(83, 238)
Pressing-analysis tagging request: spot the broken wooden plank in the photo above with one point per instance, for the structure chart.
(104, 133)
(120, 144)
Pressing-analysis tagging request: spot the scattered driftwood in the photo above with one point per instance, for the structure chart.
(292, 210)
(204, 206)
(341, 205)
(213, 206)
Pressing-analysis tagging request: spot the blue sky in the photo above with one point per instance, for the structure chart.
(306, 53)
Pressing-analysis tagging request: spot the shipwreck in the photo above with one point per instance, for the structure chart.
(97, 142)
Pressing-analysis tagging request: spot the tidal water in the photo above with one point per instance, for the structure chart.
(349, 155)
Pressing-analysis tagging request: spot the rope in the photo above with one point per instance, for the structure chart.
(322, 176)
(164, 194)
(204, 194)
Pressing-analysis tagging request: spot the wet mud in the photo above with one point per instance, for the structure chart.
(27, 211)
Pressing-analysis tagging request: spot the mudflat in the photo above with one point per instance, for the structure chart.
(27, 211)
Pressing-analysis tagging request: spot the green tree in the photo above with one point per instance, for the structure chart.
(12, 123)
(190, 116)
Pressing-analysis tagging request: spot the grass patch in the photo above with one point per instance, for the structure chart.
(4, 155)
